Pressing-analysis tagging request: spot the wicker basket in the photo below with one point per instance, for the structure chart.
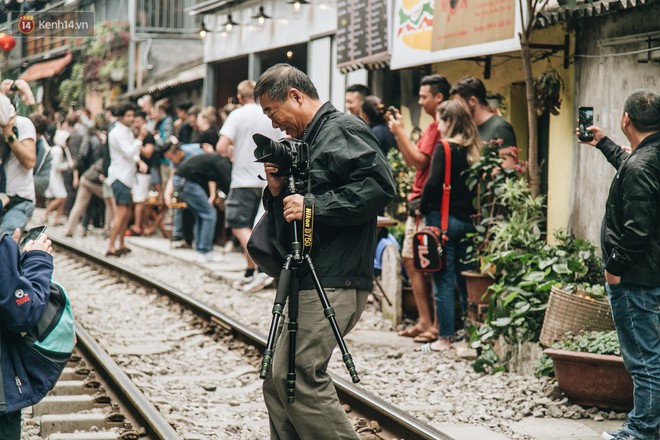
(568, 313)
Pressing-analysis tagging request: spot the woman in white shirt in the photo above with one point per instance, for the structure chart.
(61, 161)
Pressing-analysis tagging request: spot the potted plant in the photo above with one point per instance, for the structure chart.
(590, 371)
(489, 176)
(114, 69)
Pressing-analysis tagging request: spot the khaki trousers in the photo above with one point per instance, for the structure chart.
(316, 413)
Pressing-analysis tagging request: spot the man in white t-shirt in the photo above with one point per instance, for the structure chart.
(246, 188)
(19, 155)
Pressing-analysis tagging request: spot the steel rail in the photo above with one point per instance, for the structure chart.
(141, 407)
(402, 424)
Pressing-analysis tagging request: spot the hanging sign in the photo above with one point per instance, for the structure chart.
(431, 31)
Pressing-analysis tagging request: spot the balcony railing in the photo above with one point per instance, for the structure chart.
(164, 17)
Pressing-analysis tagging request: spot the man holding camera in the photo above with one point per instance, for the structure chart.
(350, 184)
(18, 155)
(630, 239)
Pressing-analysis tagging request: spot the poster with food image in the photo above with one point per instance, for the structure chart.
(430, 31)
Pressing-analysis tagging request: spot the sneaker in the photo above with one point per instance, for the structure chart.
(228, 247)
(261, 281)
(238, 284)
(620, 434)
(209, 257)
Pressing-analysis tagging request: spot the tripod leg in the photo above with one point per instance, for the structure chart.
(278, 311)
(330, 316)
(293, 329)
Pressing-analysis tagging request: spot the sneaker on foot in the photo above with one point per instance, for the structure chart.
(261, 280)
(238, 284)
(209, 257)
(620, 434)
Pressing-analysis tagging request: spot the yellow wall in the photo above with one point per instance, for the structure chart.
(507, 79)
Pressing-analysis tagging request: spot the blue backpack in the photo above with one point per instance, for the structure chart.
(39, 356)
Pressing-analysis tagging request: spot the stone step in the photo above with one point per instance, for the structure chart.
(64, 404)
(70, 388)
(53, 423)
(107, 435)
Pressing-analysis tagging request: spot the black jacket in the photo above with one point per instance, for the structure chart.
(630, 233)
(352, 183)
(461, 198)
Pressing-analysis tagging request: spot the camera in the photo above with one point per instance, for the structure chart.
(290, 155)
(392, 110)
(13, 86)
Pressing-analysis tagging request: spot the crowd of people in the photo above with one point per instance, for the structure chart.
(102, 169)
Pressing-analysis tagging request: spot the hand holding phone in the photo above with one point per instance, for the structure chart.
(585, 120)
(32, 235)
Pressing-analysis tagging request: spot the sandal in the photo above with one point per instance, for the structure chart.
(112, 254)
(411, 332)
(427, 336)
(123, 251)
(428, 348)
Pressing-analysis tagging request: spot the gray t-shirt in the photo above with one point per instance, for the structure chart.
(497, 128)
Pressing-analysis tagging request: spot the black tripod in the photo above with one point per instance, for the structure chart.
(287, 286)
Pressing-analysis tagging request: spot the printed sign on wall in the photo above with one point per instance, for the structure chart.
(430, 31)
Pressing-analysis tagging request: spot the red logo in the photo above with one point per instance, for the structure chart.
(21, 297)
(26, 24)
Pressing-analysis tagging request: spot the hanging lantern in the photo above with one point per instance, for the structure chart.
(7, 42)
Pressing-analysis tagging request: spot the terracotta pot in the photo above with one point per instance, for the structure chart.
(593, 379)
(477, 284)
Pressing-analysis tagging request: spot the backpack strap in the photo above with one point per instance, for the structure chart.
(446, 191)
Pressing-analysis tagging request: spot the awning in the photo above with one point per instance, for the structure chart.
(553, 16)
(46, 69)
(193, 74)
(211, 6)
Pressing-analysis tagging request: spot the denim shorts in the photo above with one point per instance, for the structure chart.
(122, 193)
(241, 207)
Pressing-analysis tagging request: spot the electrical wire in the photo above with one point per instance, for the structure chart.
(611, 55)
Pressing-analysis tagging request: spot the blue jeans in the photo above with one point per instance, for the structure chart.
(636, 313)
(205, 214)
(10, 426)
(17, 217)
(450, 275)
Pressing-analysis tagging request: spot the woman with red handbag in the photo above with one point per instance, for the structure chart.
(459, 131)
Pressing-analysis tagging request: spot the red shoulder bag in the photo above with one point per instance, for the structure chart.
(429, 242)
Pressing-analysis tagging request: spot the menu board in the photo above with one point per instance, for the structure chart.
(361, 31)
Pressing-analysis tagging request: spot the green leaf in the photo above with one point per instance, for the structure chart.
(561, 268)
(501, 322)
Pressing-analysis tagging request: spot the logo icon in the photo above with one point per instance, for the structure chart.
(21, 297)
(26, 24)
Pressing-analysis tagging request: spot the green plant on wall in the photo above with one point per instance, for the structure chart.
(549, 88)
(403, 178)
(526, 270)
(114, 70)
(73, 88)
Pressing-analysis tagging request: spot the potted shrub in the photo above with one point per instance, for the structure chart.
(590, 371)
(489, 176)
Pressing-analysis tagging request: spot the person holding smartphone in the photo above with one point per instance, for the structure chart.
(23, 294)
(630, 239)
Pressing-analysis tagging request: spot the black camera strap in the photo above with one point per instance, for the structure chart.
(309, 204)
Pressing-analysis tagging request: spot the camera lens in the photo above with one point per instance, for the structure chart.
(13, 87)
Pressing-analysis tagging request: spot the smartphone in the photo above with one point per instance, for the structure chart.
(32, 234)
(585, 119)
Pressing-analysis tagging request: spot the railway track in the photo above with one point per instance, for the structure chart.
(371, 411)
(95, 400)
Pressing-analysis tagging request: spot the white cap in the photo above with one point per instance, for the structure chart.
(7, 111)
